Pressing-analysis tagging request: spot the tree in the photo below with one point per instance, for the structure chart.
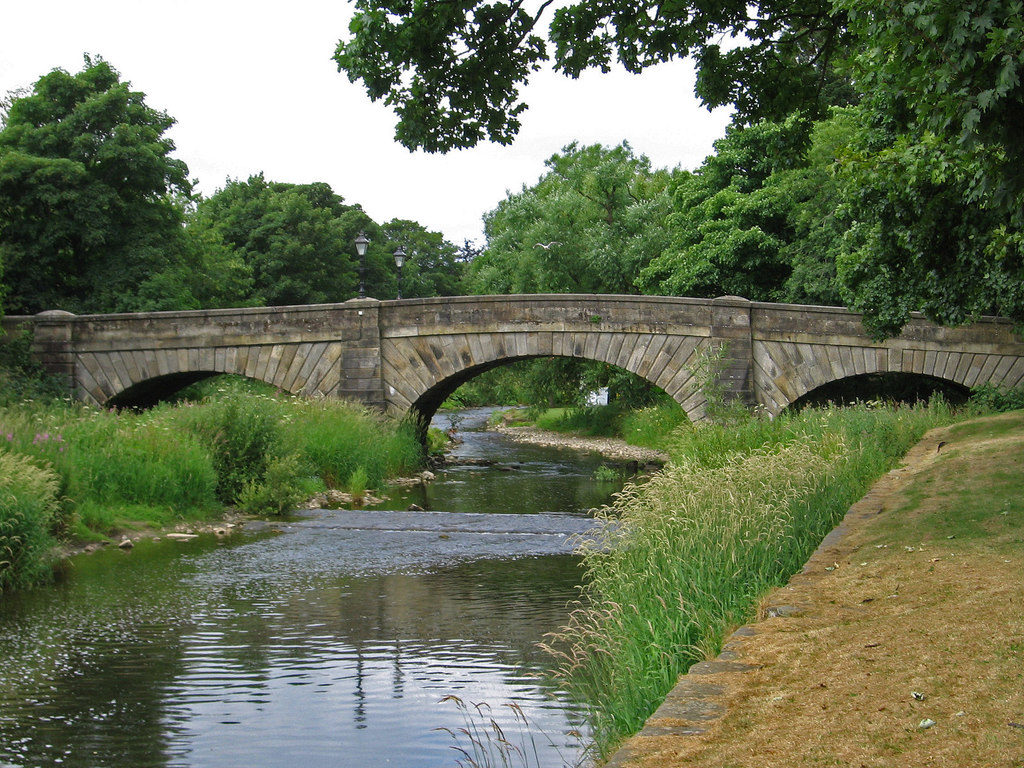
(296, 240)
(452, 71)
(761, 218)
(433, 267)
(937, 174)
(588, 226)
(729, 225)
(87, 188)
(204, 274)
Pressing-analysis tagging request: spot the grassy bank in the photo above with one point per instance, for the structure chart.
(685, 558)
(75, 472)
(907, 647)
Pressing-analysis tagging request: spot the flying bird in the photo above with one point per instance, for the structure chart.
(547, 246)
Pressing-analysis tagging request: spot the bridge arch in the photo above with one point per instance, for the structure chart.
(421, 372)
(891, 387)
(299, 368)
(796, 350)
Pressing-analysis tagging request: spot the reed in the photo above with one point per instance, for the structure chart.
(483, 742)
(680, 561)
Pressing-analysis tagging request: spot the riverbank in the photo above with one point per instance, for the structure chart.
(901, 642)
(78, 474)
(610, 447)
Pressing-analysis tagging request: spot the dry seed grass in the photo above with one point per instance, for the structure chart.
(835, 684)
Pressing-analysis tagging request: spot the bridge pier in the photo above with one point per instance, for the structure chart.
(731, 332)
(360, 359)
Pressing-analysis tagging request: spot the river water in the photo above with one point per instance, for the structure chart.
(329, 639)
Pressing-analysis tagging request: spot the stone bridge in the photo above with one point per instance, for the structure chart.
(409, 355)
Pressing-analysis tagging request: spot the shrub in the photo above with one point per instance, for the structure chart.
(22, 376)
(995, 399)
(279, 492)
(241, 432)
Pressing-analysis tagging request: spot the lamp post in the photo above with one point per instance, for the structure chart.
(362, 241)
(399, 263)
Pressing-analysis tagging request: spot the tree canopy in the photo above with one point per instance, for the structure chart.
(921, 208)
(297, 240)
(757, 219)
(588, 226)
(936, 177)
(453, 71)
(88, 188)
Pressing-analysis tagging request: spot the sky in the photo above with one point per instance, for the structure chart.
(254, 89)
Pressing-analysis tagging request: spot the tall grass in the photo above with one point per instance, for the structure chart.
(337, 440)
(483, 742)
(113, 465)
(28, 509)
(680, 561)
(236, 447)
(588, 420)
(241, 432)
(650, 427)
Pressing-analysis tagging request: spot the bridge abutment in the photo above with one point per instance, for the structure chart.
(53, 345)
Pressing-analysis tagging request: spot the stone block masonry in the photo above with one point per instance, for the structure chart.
(402, 356)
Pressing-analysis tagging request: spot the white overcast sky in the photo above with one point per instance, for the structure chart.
(253, 88)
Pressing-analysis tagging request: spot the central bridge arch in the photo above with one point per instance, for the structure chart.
(429, 350)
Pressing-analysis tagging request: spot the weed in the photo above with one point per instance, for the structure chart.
(278, 492)
(482, 742)
(357, 486)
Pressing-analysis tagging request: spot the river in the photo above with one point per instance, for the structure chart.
(328, 639)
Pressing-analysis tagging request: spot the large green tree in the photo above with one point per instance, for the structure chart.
(759, 218)
(453, 71)
(87, 193)
(588, 226)
(296, 240)
(433, 266)
(728, 227)
(936, 176)
(928, 204)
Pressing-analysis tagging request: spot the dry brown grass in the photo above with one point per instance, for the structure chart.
(895, 608)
